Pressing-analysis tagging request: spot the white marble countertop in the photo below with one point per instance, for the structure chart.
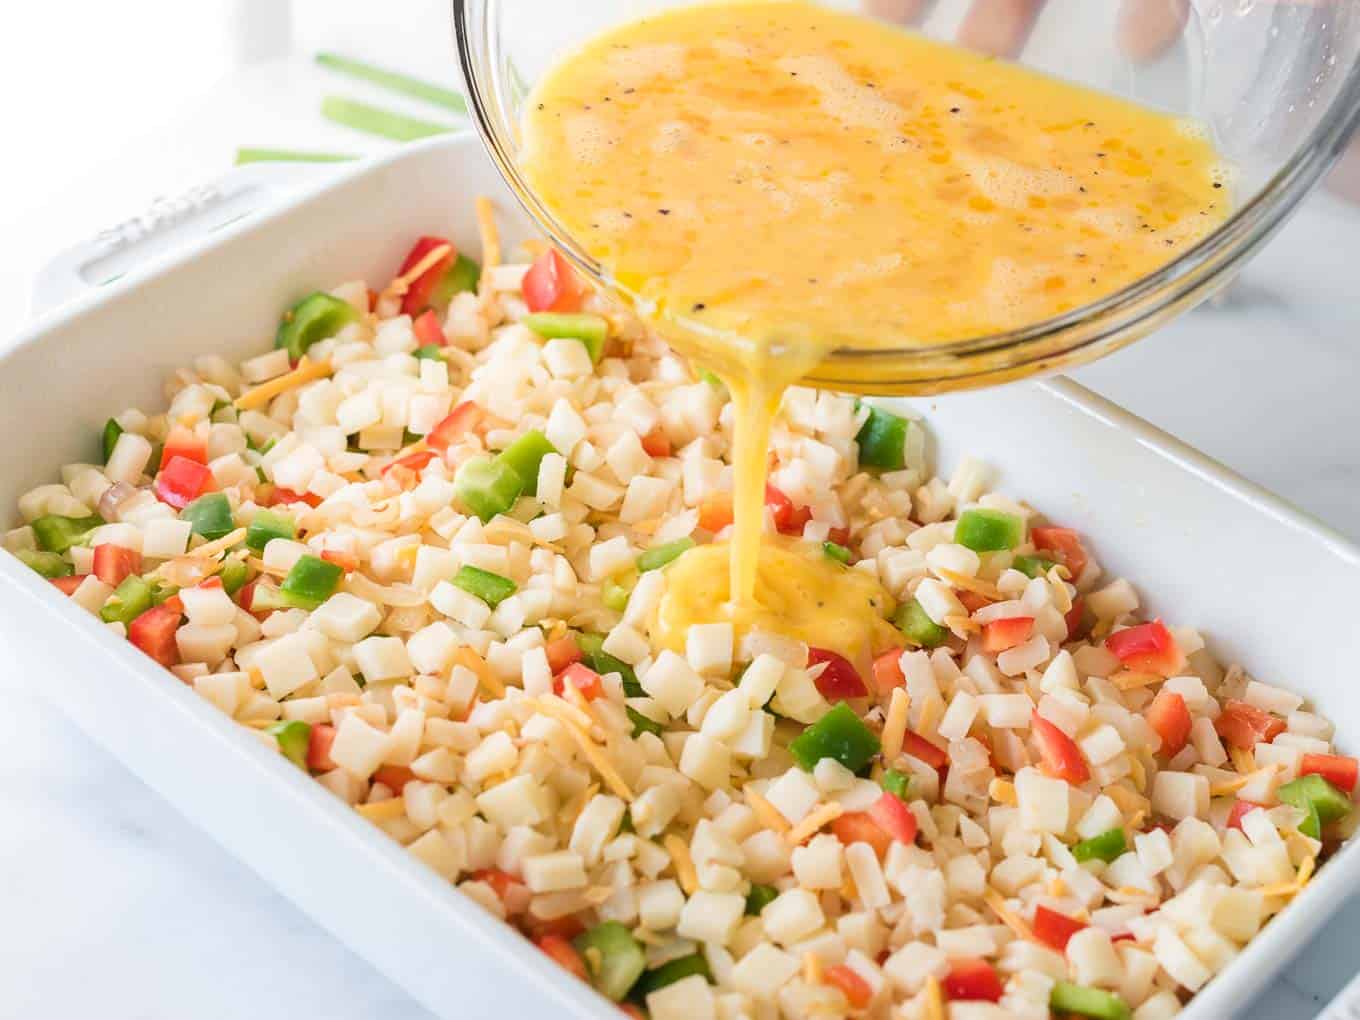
(116, 906)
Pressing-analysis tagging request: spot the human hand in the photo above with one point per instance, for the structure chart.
(1000, 27)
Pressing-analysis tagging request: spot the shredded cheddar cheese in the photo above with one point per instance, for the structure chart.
(469, 659)
(1127, 680)
(1005, 915)
(895, 726)
(767, 813)
(383, 810)
(1243, 760)
(306, 371)
(976, 585)
(812, 968)
(934, 999)
(808, 826)
(684, 864)
(1002, 792)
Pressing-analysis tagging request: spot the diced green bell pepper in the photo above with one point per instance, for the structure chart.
(984, 530)
(658, 556)
(614, 959)
(524, 455)
(592, 651)
(1324, 802)
(293, 737)
(162, 592)
(1105, 847)
(112, 430)
(882, 440)
(268, 525)
(487, 486)
(463, 275)
(430, 352)
(311, 582)
(318, 316)
(1033, 566)
(591, 330)
(836, 551)
(493, 589)
(760, 897)
(671, 972)
(919, 628)
(615, 591)
(57, 534)
(1089, 1002)
(840, 734)
(133, 597)
(233, 575)
(48, 564)
(210, 516)
(641, 724)
(896, 783)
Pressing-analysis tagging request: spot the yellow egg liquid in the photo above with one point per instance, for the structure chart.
(769, 181)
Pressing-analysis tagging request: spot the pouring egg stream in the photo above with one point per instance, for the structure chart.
(767, 182)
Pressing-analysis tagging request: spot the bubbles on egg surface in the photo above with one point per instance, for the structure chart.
(589, 138)
(671, 137)
(843, 98)
(631, 66)
(1012, 184)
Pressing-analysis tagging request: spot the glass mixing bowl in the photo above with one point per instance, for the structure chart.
(1276, 82)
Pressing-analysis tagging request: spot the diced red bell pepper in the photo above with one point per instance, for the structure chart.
(419, 291)
(414, 462)
(1000, 635)
(67, 585)
(919, 747)
(343, 560)
(428, 331)
(280, 496)
(891, 814)
(583, 678)
(1075, 618)
(462, 420)
(859, 827)
(1338, 769)
(715, 512)
(841, 536)
(551, 285)
(564, 953)
(154, 633)
(887, 671)
(1065, 544)
(210, 582)
(972, 979)
(632, 1009)
(568, 926)
(1054, 929)
(394, 777)
(182, 481)
(562, 652)
(788, 519)
(657, 443)
(501, 882)
(1169, 716)
(855, 989)
(972, 601)
(1239, 811)
(113, 563)
(1244, 726)
(1147, 648)
(1061, 758)
(319, 747)
(838, 680)
(183, 443)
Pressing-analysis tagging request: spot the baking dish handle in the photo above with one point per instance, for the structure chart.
(167, 226)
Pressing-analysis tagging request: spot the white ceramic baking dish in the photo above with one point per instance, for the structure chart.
(1272, 588)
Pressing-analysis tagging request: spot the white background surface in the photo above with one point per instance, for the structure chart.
(112, 904)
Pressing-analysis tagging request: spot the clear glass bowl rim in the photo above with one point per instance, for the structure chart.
(1091, 329)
